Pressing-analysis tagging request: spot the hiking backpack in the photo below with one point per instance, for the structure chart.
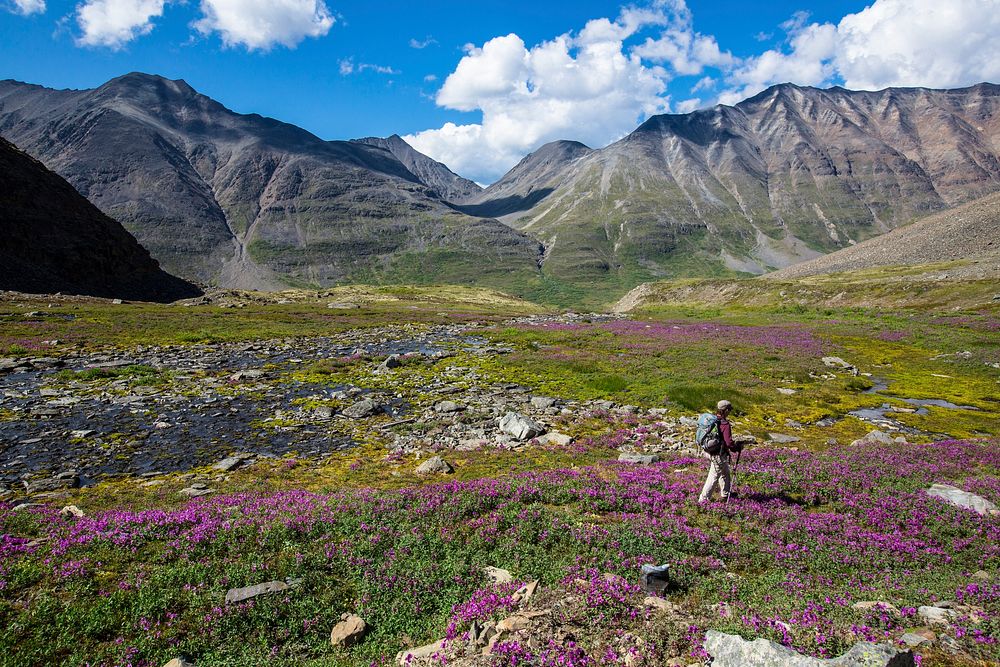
(709, 436)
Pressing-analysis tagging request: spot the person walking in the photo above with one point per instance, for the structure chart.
(716, 427)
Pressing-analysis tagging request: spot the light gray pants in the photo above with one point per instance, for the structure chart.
(718, 473)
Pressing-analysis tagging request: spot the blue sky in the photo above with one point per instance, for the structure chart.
(352, 69)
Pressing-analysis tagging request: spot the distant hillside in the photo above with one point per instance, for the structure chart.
(246, 201)
(446, 183)
(783, 177)
(54, 240)
(969, 234)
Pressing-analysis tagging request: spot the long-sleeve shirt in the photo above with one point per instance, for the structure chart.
(726, 431)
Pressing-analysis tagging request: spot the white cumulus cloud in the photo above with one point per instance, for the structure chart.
(889, 43)
(114, 23)
(28, 7)
(262, 24)
(586, 87)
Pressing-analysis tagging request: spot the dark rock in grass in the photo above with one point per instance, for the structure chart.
(391, 362)
(64, 480)
(520, 427)
(435, 465)
(349, 631)
(734, 651)
(241, 594)
(641, 459)
(963, 499)
(232, 462)
(363, 408)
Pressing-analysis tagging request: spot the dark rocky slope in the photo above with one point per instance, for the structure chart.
(54, 240)
(247, 201)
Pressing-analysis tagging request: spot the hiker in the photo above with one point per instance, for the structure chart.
(715, 437)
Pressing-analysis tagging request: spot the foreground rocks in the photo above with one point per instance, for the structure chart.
(734, 651)
(962, 499)
(234, 595)
(349, 631)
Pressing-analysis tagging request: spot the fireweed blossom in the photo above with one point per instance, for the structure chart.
(812, 533)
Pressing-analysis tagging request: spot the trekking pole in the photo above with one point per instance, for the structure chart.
(735, 466)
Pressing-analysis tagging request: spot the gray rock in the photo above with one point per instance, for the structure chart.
(642, 459)
(421, 654)
(229, 463)
(435, 465)
(914, 640)
(875, 438)
(240, 594)
(178, 662)
(734, 651)
(342, 305)
(64, 480)
(936, 615)
(363, 408)
(542, 402)
(837, 362)
(555, 438)
(963, 499)
(392, 361)
(448, 407)
(195, 492)
(498, 575)
(781, 438)
(520, 427)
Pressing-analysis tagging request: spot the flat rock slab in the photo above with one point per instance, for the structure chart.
(734, 651)
(961, 498)
(641, 459)
(240, 594)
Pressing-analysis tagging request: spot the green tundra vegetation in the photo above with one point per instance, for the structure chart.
(819, 525)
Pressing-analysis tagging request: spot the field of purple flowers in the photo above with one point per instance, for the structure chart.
(808, 536)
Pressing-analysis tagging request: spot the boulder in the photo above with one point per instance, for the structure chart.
(542, 402)
(363, 408)
(229, 463)
(837, 362)
(641, 459)
(963, 499)
(391, 362)
(421, 654)
(914, 640)
(240, 594)
(520, 427)
(448, 407)
(555, 438)
(349, 631)
(196, 491)
(936, 615)
(782, 439)
(64, 480)
(434, 465)
(734, 651)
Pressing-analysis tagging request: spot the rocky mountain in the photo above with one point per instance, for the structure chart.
(968, 235)
(779, 178)
(54, 240)
(449, 185)
(246, 201)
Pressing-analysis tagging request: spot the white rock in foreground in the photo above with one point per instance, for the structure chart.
(520, 427)
(961, 498)
(734, 651)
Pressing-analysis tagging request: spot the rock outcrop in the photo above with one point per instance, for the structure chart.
(734, 651)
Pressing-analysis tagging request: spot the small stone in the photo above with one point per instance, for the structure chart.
(542, 402)
(448, 407)
(659, 604)
(228, 463)
(178, 662)
(782, 439)
(342, 305)
(555, 438)
(497, 575)
(392, 361)
(874, 438)
(914, 640)
(71, 511)
(82, 433)
(786, 391)
(417, 655)
(936, 615)
(434, 465)
(640, 459)
(513, 623)
(981, 575)
(349, 631)
(363, 408)
(247, 592)
(193, 492)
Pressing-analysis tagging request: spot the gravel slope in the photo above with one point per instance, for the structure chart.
(969, 232)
